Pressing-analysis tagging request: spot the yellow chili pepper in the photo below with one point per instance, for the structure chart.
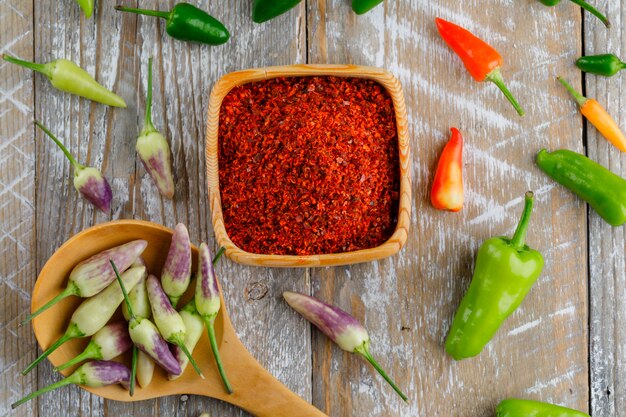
(598, 117)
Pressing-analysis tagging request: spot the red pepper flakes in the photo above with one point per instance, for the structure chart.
(308, 165)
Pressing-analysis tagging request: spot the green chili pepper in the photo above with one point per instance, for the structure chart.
(87, 6)
(264, 10)
(527, 408)
(505, 271)
(606, 64)
(364, 6)
(602, 189)
(188, 23)
(584, 5)
(70, 78)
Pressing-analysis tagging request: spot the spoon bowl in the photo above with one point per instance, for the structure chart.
(255, 390)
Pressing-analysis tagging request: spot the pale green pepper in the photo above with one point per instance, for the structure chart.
(70, 78)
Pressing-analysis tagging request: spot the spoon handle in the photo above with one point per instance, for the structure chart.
(261, 394)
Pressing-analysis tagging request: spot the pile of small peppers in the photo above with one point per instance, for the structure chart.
(155, 332)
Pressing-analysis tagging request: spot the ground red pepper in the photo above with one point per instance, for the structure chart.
(308, 165)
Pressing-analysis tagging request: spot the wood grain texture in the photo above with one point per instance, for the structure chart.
(17, 210)
(232, 80)
(407, 302)
(607, 245)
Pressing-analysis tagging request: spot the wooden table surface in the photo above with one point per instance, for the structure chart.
(566, 343)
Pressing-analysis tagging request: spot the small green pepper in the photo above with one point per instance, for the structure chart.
(584, 5)
(606, 64)
(70, 78)
(364, 6)
(87, 6)
(505, 271)
(602, 189)
(264, 10)
(527, 408)
(188, 23)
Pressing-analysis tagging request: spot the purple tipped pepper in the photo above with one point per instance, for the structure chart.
(110, 341)
(208, 303)
(146, 337)
(513, 407)
(153, 149)
(88, 181)
(340, 327)
(505, 271)
(93, 374)
(194, 327)
(176, 273)
(168, 321)
(93, 313)
(70, 78)
(138, 298)
(93, 275)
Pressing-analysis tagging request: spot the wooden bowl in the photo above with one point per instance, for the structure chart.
(234, 79)
(255, 390)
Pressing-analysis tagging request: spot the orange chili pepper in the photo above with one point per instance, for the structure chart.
(447, 191)
(598, 117)
(481, 60)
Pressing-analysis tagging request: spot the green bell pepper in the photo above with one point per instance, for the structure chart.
(606, 64)
(364, 6)
(188, 23)
(602, 189)
(584, 5)
(527, 408)
(505, 271)
(264, 10)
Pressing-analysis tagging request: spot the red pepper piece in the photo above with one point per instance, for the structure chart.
(481, 60)
(447, 191)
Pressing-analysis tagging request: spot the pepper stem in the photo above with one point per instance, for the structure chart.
(496, 78)
(89, 353)
(119, 280)
(148, 127)
(520, 233)
(580, 99)
(60, 145)
(70, 290)
(51, 387)
(42, 68)
(209, 322)
(363, 350)
(133, 371)
(155, 13)
(51, 349)
(191, 359)
(218, 255)
(593, 11)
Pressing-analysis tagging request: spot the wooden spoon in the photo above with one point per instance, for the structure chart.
(255, 389)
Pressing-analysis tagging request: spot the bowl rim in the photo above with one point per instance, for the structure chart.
(231, 80)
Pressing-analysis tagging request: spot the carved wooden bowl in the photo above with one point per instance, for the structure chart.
(388, 248)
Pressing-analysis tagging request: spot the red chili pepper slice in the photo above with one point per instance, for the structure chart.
(481, 60)
(447, 191)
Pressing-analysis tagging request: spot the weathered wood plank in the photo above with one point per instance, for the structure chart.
(607, 245)
(407, 302)
(17, 208)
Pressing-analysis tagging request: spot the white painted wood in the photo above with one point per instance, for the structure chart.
(607, 245)
(17, 210)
